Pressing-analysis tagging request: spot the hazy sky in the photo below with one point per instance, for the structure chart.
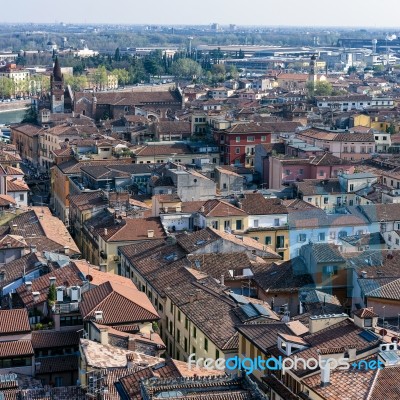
(374, 13)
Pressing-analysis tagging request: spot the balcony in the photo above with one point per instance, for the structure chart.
(66, 308)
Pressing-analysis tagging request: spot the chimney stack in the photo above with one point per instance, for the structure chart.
(36, 296)
(150, 233)
(326, 374)
(222, 280)
(104, 336)
(28, 285)
(52, 280)
(105, 231)
(66, 250)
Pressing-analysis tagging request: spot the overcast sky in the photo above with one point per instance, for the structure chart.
(373, 13)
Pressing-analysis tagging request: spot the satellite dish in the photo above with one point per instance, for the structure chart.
(89, 278)
(383, 332)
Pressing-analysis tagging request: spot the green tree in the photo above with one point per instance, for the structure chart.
(6, 87)
(77, 83)
(186, 68)
(100, 77)
(117, 55)
(52, 295)
(352, 70)
(122, 74)
(31, 115)
(320, 88)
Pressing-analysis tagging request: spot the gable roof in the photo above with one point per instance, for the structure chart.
(119, 304)
(14, 321)
(257, 204)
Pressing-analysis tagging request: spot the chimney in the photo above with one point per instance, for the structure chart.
(66, 250)
(202, 209)
(52, 280)
(326, 374)
(130, 360)
(36, 296)
(222, 280)
(98, 315)
(105, 231)
(104, 336)
(150, 233)
(131, 344)
(28, 285)
(198, 294)
(363, 274)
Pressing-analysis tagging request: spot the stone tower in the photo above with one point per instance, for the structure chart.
(57, 89)
(312, 76)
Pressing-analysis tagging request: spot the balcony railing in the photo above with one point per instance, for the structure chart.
(66, 308)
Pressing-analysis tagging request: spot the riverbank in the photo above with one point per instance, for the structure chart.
(14, 106)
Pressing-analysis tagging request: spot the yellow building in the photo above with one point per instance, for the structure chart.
(275, 238)
(222, 216)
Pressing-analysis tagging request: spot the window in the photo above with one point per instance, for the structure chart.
(397, 241)
(171, 328)
(345, 149)
(237, 150)
(185, 345)
(178, 335)
(193, 350)
(22, 197)
(368, 323)
(276, 222)
(256, 238)
(287, 172)
(302, 237)
(301, 171)
(309, 199)
(205, 344)
(214, 224)
(321, 173)
(255, 223)
(194, 332)
(351, 187)
(171, 308)
(237, 139)
(216, 354)
(326, 200)
(268, 240)
(186, 323)
(227, 224)
(263, 138)
(250, 138)
(321, 236)
(238, 224)
(179, 315)
(280, 242)
(330, 270)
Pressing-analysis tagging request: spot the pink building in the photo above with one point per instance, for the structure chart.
(284, 170)
(345, 145)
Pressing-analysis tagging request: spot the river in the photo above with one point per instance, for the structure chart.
(11, 117)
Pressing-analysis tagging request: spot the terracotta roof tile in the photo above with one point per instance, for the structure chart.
(16, 348)
(119, 304)
(51, 339)
(14, 321)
